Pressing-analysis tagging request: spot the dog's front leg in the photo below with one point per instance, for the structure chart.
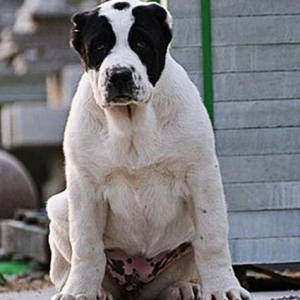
(87, 219)
(211, 247)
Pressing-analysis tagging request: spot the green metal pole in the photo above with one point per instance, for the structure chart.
(208, 95)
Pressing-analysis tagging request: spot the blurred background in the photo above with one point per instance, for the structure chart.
(250, 54)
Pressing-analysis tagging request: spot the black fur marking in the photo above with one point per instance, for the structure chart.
(121, 5)
(118, 265)
(149, 38)
(92, 37)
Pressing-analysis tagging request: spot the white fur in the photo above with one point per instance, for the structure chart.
(143, 184)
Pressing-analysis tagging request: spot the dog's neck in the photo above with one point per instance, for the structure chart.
(133, 134)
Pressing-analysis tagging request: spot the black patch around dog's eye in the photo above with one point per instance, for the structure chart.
(121, 5)
(149, 38)
(92, 37)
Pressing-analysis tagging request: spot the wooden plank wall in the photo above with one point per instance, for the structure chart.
(256, 50)
(31, 87)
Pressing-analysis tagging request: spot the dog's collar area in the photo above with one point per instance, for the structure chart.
(132, 273)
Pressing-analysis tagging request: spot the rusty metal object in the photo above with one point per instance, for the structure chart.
(17, 189)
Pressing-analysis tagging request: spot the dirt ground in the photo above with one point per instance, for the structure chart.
(36, 286)
(45, 294)
(34, 282)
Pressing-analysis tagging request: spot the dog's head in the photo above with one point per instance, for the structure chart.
(123, 45)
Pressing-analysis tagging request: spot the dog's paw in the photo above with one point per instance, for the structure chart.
(182, 291)
(235, 293)
(104, 296)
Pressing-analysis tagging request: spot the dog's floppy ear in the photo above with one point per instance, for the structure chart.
(161, 14)
(158, 13)
(79, 21)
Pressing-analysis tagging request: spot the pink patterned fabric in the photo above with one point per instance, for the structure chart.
(132, 273)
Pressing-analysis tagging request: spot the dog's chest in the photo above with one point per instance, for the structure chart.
(141, 192)
(145, 204)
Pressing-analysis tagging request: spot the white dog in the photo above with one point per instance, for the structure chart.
(143, 215)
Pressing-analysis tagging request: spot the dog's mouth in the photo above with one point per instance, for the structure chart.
(123, 104)
(121, 101)
(123, 110)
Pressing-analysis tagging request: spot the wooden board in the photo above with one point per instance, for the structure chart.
(187, 32)
(240, 31)
(261, 30)
(243, 8)
(32, 125)
(180, 11)
(236, 8)
(257, 114)
(233, 59)
(265, 250)
(24, 88)
(262, 196)
(260, 168)
(258, 141)
(29, 240)
(257, 86)
(189, 58)
(197, 80)
(8, 9)
(254, 85)
(256, 58)
(264, 224)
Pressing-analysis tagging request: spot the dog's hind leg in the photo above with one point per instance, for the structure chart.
(57, 209)
(61, 250)
(60, 268)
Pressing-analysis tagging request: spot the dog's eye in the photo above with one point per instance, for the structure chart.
(141, 44)
(100, 46)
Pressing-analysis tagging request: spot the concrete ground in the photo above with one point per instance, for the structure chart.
(47, 293)
(28, 295)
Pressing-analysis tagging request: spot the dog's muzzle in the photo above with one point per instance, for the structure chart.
(120, 86)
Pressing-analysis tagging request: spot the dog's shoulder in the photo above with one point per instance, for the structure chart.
(85, 122)
(179, 105)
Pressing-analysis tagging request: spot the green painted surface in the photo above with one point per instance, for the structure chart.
(208, 95)
(14, 268)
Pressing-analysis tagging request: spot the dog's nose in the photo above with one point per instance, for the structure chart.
(120, 76)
